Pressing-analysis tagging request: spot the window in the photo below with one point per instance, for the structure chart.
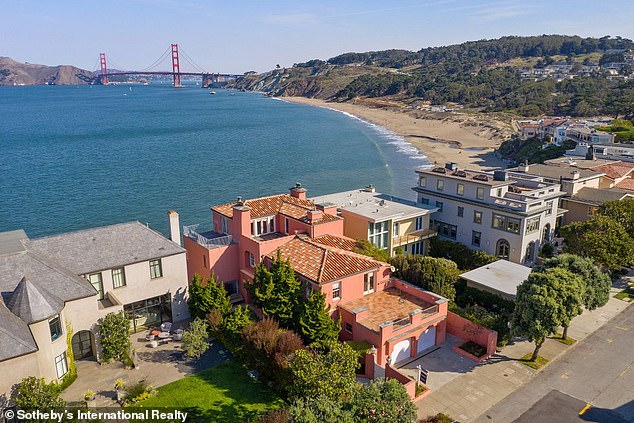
(419, 223)
(477, 217)
(395, 229)
(205, 261)
(61, 365)
(348, 327)
(118, 276)
(97, 283)
(502, 249)
(549, 210)
(475, 238)
(460, 211)
(368, 283)
(530, 251)
(378, 234)
(498, 221)
(504, 223)
(336, 291)
(446, 230)
(499, 192)
(263, 226)
(513, 225)
(251, 260)
(440, 185)
(225, 224)
(231, 287)
(418, 247)
(424, 201)
(439, 204)
(55, 326)
(532, 225)
(422, 181)
(156, 270)
(480, 193)
(286, 225)
(460, 189)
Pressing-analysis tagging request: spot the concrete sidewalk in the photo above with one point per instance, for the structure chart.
(467, 396)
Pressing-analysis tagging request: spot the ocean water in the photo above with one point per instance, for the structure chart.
(74, 157)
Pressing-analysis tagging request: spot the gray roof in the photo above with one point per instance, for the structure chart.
(502, 275)
(554, 171)
(11, 242)
(599, 196)
(15, 337)
(33, 303)
(106, 247)
(373, 205)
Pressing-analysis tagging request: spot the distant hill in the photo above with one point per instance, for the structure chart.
(546, 74)
(17, 73)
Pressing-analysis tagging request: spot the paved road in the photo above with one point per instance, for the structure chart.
(599, 370)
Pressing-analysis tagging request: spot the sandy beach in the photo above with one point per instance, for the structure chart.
(448, 139)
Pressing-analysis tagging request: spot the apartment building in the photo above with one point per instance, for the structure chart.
(386, 221)
(60, 286)
(509, 216)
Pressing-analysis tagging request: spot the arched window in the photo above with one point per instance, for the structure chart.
(502, 249)
(530, 252)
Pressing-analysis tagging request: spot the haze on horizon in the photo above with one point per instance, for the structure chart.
(234, 38)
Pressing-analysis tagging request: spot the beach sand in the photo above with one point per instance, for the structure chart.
(442, 140)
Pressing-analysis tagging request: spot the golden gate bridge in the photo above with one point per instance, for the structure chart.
(208, 78)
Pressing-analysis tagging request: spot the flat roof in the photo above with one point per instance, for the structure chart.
(502, 275)
(373, 205)
(557, 171)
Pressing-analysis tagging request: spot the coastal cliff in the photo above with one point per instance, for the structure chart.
(17, 73)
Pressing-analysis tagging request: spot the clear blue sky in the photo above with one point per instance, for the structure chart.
(236, 36)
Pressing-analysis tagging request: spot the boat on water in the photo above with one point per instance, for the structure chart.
(212, 92)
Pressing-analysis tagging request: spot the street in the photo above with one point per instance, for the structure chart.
(599, 370)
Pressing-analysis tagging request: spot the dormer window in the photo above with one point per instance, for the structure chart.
(263, 226)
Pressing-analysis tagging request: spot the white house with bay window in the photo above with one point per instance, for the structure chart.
(55, 289)
(508, 215)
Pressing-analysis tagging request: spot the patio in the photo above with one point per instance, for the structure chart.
(158, 366)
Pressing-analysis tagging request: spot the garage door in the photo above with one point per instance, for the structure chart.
(401, 351)
(427, 339)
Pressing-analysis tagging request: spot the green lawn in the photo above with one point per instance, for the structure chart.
(221, 394)
(567, 341)
(627, 294)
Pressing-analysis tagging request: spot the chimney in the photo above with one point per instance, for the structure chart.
(328, 208)
(314, 215)
(298, 191)
(175, 230)
(241, 218)
(523, 167)
(575, 175)
(370, 188)
(451, 166)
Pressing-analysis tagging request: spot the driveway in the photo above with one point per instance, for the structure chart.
(157, 366)
(443, 364)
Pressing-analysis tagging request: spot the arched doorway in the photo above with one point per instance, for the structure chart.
(547, 233)
(530, 253)
(502, 249)
(82, 345)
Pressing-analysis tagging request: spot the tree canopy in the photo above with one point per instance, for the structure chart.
(315, 323)
(35, 394)
(114, 331)
(204, 298)
(438, 275)
(621, 211)
(383, 401)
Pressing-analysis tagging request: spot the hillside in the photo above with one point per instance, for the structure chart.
(548, 74)
(16, 73)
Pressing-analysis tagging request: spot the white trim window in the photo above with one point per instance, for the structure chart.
(263, 226)
(368, 283)
(419, 223)
(97, 282)
(224, 223)
(61, 365)
(395, 229)
(118, 277)
(55, 327)
(251, 260)
(480, 193)
(378, 234)
(156, 269)
(336, 291)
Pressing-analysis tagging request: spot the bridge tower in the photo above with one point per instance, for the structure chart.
(176, 67)
(104, 68)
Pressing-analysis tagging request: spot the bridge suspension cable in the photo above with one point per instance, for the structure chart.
(158, 61)
(189, 60)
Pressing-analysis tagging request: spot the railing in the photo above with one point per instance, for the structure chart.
(221, 241)
(414, 236)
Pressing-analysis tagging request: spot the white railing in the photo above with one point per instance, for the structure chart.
(221, 241)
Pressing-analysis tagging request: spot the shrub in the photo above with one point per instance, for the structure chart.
(35, 394)
(438, 418)
(275, 416)
(464, 257)
(115, 336)
(138, 392)
(547, 250)
(195, 339)
(473, 349)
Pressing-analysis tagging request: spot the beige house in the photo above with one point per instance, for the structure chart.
(586, 202)
(386, 221)
(55, 289)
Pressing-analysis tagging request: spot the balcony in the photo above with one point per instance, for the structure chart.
(414, 236)
(209, 239)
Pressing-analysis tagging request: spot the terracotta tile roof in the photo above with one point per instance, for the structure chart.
(267, 206)
(615, 170)
(626, 184)
(321, 263)
(388, 305)
(340, 242)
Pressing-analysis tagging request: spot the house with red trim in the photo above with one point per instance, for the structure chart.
(400, 320)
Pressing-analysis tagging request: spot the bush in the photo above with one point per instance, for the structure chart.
(275, 416)
(473, 349)
(464, 257)
(547, 250)
(115, 336)
(138, 392)
(487, 319)
(195, 339)
(467, 296)
(438, 418)
(35, 394)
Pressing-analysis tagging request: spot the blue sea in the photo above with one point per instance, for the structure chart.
(74, 157)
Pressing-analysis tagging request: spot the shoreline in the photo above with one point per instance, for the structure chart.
(469, 145)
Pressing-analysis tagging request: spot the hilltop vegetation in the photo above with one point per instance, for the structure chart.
(483, 75)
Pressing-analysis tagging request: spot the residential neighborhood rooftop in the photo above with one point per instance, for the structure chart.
(557, 171)
(502, 275)
(373, 205)
(106, 247)
(389, 305)
(598, 196)
(485, 178)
